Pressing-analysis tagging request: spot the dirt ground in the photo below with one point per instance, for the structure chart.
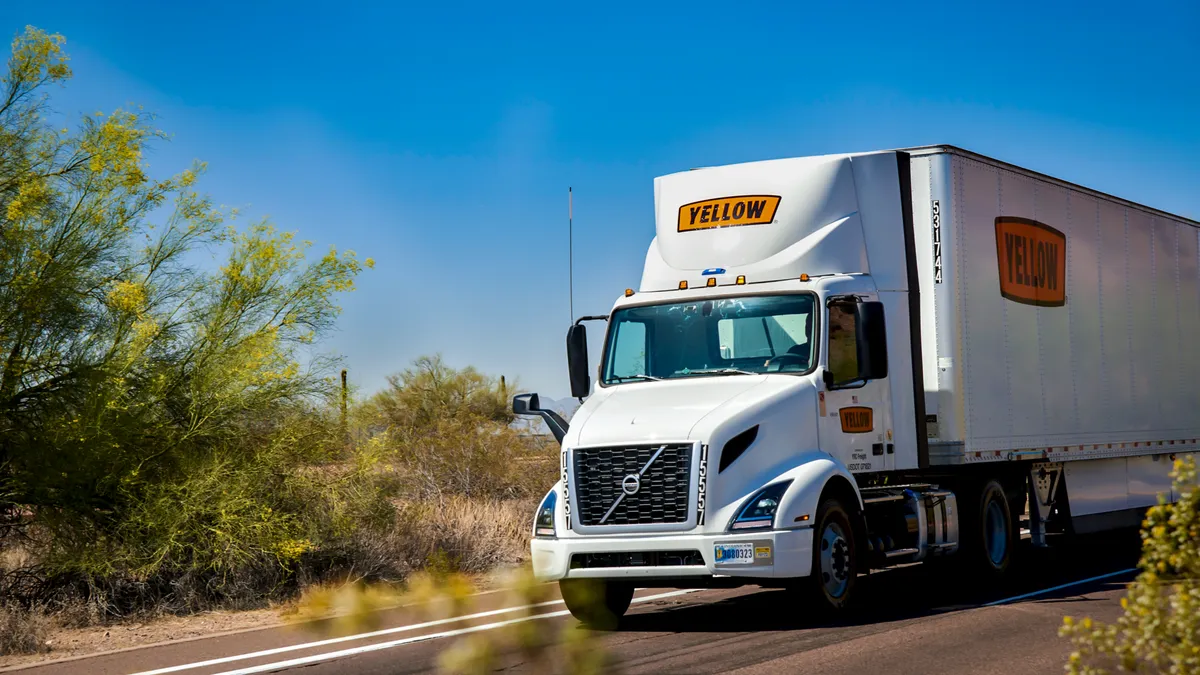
(68, 642)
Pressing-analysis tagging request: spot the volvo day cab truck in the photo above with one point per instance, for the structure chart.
(845, 362)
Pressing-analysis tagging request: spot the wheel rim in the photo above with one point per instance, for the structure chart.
(996, 531)
(835, 560)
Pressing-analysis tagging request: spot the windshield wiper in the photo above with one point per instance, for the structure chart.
(720, 371)
(638, 378)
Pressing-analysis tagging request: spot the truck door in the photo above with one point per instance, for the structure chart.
(855, 426)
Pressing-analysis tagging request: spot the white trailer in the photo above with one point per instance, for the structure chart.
(846, 362)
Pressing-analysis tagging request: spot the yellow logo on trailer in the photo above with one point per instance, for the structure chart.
(728, 212)
(1032, 257)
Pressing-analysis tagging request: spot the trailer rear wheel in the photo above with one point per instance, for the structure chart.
(597, 603)
(835, 557)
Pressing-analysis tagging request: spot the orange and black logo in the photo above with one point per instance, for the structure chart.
(728, 212)
(1033, 262)
(857, 420)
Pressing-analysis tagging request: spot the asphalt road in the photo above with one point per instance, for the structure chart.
(914, 620)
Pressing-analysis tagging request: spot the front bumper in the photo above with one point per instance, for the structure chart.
(790, 555)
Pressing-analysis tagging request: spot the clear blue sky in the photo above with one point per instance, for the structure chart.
(440, 138)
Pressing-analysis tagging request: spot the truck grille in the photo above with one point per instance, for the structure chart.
(636, 559)
(602, 476)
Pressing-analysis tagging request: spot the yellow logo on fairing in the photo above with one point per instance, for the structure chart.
(728, 212)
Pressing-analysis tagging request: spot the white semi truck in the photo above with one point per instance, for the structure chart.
(840, 363)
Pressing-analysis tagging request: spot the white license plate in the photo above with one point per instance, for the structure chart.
(733, 554)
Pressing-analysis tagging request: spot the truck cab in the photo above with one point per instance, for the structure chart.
(759, 368)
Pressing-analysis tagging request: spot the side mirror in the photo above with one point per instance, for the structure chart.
(577, 361)
(526, 404)
(531, 405)
(871, 340)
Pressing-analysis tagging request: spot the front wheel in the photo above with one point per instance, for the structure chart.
(597, 603)
(835, 558)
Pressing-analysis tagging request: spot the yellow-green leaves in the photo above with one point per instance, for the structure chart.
(1159, 631)
(156, 412)
(32, 197)
(113, 148)
(37, 58)
(127, 296)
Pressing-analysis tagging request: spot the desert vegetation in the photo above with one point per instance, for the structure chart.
(1159, 628)
(172, 435)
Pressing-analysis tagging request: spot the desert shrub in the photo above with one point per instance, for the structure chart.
(1159, 631)
(471, 457)
(23, 630)
(157, 416)
(468, 535)
(430, 390)
(170, 438)
(450, 432)
(235, 527)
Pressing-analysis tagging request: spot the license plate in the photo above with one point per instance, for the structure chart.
(734, 554)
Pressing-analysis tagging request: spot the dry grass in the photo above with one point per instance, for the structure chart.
(23, 630)
(456, 534)
(470, 458)
(471, 536)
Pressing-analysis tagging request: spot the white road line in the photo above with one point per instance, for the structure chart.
(1056, 588)
(345, 638)
(318, 658)
(383, 645)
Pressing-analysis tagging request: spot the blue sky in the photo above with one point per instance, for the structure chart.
(440, 138)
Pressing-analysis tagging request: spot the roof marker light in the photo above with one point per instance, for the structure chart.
(741, 279)
(683, 285)
(628, 292)
(712, 281)
(803, 277)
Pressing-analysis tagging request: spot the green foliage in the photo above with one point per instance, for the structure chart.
(156, 418)
(449, 432)
(169, 439)
(431, 391)
(1159, 631)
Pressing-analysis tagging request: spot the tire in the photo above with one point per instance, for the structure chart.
(990, 534)
(830, 585)
(597, 603)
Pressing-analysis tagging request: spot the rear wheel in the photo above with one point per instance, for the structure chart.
(990, 532)
(835, 557)
(597, 603)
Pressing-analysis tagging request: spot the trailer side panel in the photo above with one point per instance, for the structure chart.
(1074, 314)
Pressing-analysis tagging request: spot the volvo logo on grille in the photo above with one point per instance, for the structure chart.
(631, 484)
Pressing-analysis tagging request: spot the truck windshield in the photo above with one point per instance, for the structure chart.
(711, 338)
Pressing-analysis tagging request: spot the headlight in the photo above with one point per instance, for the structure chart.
(758, 512)
(543, 522)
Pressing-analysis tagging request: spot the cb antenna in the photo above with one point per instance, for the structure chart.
(570, 257)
